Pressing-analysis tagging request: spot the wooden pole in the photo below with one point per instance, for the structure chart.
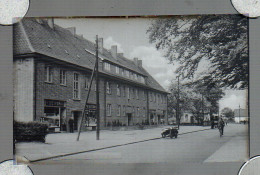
(84, 110)
(97, 91)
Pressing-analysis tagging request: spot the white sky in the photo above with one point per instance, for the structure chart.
(131, 38)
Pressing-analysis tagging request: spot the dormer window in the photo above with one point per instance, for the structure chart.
(117, 69)
(107, 66)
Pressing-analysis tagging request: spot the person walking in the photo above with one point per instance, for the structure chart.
(221, 125)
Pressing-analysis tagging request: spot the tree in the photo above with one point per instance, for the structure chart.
(217, 42)
(177, 100)
(228, 113)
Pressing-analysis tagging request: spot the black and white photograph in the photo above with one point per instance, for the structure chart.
(132, 91)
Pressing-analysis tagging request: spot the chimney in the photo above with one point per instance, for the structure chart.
(140, 63)
(50, 22)
(81, 36)
(114, 51)
(121, 54)
(72, 30)
(136, 61)
(100, 45)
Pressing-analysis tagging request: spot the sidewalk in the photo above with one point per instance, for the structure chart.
(65, 143)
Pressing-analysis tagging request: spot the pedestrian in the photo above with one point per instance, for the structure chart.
(71, 125)
(221, 125)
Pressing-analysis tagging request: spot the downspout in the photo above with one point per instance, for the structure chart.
(34, 89)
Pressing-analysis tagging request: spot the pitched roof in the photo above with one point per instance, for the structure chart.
(31, 36)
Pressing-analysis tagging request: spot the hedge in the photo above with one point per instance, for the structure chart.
(30, 131)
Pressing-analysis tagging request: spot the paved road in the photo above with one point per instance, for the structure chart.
(195, 153)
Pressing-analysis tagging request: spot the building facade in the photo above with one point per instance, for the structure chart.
(52, 73)
(240, 115)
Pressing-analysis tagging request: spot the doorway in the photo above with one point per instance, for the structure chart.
(76, 119)
(129, 119)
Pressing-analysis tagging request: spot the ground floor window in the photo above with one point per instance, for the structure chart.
(108, 109)
(54, 113)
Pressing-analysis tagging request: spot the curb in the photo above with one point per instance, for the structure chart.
(113, 146)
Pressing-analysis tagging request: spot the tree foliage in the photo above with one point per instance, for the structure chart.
(227, 112)
(196, 99)
(217, 43)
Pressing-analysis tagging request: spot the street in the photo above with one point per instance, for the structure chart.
(201, 152)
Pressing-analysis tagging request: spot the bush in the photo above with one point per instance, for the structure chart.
(30, 131)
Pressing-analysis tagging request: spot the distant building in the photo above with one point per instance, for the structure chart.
(188, 118)
(240, 115)
(52, 70)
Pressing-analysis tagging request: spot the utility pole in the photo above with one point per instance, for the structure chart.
(202, 105)
(178, 103)
(239, 114)
(97, 91)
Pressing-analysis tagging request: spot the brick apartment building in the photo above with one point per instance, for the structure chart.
(52, 70)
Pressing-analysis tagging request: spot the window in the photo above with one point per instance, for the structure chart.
(123, 91)
(128, 92)
(48, 74)
(131, 75)
(137, 111)
(118, 110)
(63, 77)
(108, 88)
(86, 83)
(151, 96)
(144, 112)
(94, 85)
(107, 66)
(135, 76)
(117, 69)
(144, 95)
(123, 71)
(76, 86)
(124, 111)
(137, 94)
(142, 79)
(127, 73)
(118, 90)
(108, 109)
(133, 92)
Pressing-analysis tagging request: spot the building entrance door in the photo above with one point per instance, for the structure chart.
(76, 119)
(129, 119)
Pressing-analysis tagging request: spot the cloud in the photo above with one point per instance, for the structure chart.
(233, 99)
(155, 64)
(108, 42)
